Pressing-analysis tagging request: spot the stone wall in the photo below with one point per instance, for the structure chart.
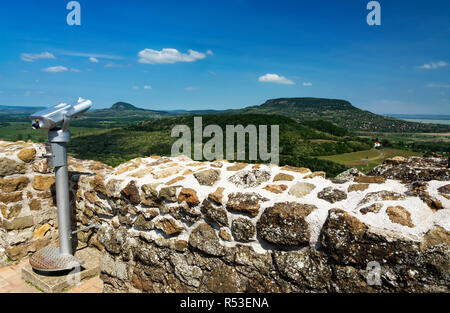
(27, 198)
(177, 225)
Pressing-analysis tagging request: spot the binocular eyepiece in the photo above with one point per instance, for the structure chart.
(59, 114)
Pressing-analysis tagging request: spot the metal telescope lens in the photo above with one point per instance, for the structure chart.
(36, 124)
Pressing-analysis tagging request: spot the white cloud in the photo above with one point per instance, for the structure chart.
(433, 65)
(147, 87)
(275, 78)
(307, 84)
(75, 70)
(91, 55)
(135, 87)
(438, 85)
(55, 69)
(209, 52)
(29, 57)
(93, 60)
(169, 56)
(190, 88)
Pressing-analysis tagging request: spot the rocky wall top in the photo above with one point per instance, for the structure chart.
(264, 205)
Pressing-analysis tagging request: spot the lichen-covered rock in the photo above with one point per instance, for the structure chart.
(373, 208)
(183, 212)
(149, 195)
(383, 195)
(169, 226)
(208, 177)
(414, 169)
(248, 203)
(11, 211)
(306, 268)
(358, 187)
(41, 166)
(225, 234)
(11, 197)
(436, 236)
(419, 189)
(131, 192)
(35, 205)
(11, 167)
(204, 238)
(190, 275)
(445, 189)
(112, 239)
(18, 223)
(349, 174)
(285, 224)
(398, 214)
(144, 222)
(169, 193)
(332, 195)
(243, 229)
(216, 214)
(300, 190)
(251, 178)
(13, 184)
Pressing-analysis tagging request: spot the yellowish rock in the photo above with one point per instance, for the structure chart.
(399, 215)
(175, 180)
(13, 184)
(317, 174)
(27, 155)
(276, 188)
(43, 182)
(41, 231)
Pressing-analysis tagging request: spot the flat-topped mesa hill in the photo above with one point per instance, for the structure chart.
(178, 225)
(341, 112)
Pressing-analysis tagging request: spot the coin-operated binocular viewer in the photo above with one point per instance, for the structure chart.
(57, 120)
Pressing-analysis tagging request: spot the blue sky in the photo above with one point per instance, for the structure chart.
(218, 53)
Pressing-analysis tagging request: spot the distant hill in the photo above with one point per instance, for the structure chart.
(123, 106)
(121, 113)
(340, 112)
(19, 110)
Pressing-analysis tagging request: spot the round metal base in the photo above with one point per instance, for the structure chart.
(49, 259)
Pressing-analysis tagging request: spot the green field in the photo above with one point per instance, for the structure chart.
(368, 159)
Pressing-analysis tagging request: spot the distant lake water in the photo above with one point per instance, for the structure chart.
(427, 121)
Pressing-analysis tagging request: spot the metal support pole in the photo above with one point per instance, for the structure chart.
(62, 201)
(58, 140)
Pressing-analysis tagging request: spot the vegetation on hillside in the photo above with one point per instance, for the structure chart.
(298, 143)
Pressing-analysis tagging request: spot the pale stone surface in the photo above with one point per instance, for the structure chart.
(300, 190)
